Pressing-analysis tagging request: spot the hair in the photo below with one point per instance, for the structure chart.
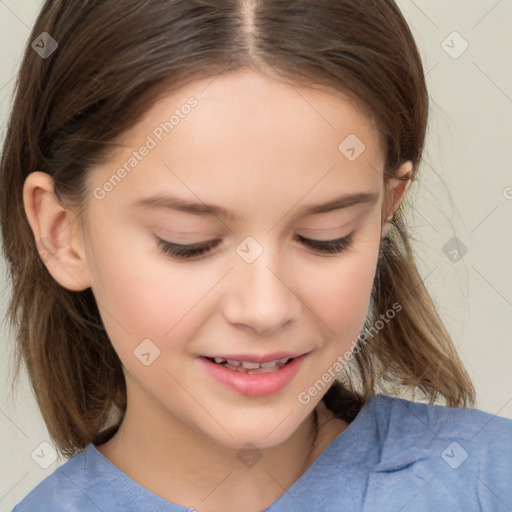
(114, 59)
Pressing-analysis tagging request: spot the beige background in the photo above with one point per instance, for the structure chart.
(465, 190)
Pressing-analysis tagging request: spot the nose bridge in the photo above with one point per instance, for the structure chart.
(261, 297)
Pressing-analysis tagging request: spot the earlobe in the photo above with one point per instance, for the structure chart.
(55, 233)
(395, 192)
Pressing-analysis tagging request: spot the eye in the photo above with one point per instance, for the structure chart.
(329, 246)
(186, 251)
(193, 251)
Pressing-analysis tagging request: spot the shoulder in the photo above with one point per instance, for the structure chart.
(465, 454)
(73, 486)
(88, 482)
(438, 421)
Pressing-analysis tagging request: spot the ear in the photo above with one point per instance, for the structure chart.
(56, 232)
(395, 192)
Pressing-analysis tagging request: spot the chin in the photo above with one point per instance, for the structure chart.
(250, 439)
(265, 431)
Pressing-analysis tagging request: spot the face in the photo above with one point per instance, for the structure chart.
(268, 281)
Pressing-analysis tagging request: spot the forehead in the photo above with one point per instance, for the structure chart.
(248, 136)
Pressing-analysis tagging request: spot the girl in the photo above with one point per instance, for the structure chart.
(213, 284)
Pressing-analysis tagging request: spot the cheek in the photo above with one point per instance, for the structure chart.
(342, 290)
(141, 294)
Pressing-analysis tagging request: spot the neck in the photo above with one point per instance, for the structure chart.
(188, 468)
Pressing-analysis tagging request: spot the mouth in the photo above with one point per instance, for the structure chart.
(253, 378)
(250, 367)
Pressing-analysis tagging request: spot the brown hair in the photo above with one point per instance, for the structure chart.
(114, 59)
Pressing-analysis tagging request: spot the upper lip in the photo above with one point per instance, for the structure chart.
(256, 358)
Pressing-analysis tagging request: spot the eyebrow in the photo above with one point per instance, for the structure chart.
(199, 208)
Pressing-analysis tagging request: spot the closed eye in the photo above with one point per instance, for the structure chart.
(185, 252)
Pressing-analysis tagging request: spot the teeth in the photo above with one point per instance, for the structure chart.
(269, 364)
(275, 363)
(250, 366)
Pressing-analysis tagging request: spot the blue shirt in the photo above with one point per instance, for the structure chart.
(396, 455)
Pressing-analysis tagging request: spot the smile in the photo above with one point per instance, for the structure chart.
(252, 378)
(250, 367)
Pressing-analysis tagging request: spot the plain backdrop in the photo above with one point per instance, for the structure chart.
(464, 191)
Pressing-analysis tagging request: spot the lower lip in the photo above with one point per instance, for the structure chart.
(255, 384)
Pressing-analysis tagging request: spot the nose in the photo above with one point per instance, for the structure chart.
(261, 297)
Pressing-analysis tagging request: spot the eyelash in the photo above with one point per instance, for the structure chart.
(190, 251)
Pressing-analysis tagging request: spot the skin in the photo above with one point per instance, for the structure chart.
(265, 150)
